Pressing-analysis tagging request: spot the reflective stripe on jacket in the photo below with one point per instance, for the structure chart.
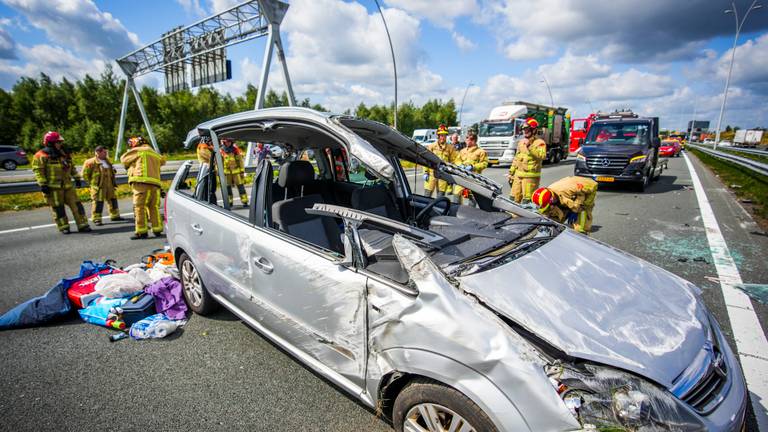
(529, 158)
(97, 175)
(474, 156)
(573, 191)
(143, 165)
(233, 161)
(54, 172)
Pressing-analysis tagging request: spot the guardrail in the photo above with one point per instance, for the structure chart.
(740, 149)
(30, 186)
(751, 164)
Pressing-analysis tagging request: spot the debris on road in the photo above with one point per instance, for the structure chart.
(758, 292)
(700, 259)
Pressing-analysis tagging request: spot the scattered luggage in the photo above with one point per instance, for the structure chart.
(155, 327)
(81, 292)
(142, 307)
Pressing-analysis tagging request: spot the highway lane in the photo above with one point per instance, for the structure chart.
(218, 374)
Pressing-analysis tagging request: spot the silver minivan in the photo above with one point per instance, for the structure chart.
(443, 317)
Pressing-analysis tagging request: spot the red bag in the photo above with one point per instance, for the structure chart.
(81, 293)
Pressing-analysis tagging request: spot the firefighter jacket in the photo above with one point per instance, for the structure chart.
(529, 158)
(97, 174)
(572, 192)
(204, 153)
(446, 152)
(474, 156)
(54, 169)
(233, 160)
(143, 165)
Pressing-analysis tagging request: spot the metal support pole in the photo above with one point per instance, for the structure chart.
(394, 63)
(551, 99)
(281, 59)
(265, 68)
(144, 116)
(123, 114)
(219, 169)
(461, 109)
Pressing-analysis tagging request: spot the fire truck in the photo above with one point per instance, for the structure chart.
(579, 130)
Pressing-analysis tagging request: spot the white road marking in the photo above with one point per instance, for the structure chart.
(30, 228)
(751, 343)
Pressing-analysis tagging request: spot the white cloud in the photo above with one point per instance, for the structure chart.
(462, 42)
(7, 45)
(193, 7)
(53, 61)
(78, 24)
(217, 6)
(529, 48)
(441, 14)
(749, 68)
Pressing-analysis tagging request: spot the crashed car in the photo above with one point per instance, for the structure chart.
(437, 315)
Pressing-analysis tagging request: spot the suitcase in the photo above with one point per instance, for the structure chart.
(81, 293)
(142, 308)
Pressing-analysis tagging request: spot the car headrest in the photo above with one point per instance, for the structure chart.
(296, 173)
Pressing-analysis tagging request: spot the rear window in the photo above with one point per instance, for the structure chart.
(5, 149)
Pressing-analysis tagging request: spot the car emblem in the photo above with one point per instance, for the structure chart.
(718, 366)
(605, 162)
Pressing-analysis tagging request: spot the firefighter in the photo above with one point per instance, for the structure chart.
(54, 173)
(234, 167)
(569, 200)
(204, 151)
(143, 166)
(525, 172)
(471, 158)
(100, 175)
(447, 153)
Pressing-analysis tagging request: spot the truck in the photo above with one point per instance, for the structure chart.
(579, 130)
(424, 136)
(747, 138)
(621, 147)
(499, 133)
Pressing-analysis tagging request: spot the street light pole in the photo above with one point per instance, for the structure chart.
(394, 64)
(735, 13)
(461, 109)
(551, 99)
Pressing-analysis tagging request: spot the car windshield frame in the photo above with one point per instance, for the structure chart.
(629, 137)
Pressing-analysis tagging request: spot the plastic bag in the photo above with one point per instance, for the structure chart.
(118, 285)
(98, 310)
(142, 276)
(154, 327)
(159, 271)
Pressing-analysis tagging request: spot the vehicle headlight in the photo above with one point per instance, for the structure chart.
(604, 398)
(636, 159)
(580, 156)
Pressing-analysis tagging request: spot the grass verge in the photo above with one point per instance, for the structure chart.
(33, 200)
(751, 186)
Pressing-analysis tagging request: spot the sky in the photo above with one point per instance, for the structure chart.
(658, 57)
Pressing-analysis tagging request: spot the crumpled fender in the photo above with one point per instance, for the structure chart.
(502, 412)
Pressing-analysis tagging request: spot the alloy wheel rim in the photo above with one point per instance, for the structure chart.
(191, 282)
(430, 417)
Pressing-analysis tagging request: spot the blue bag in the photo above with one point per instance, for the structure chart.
(98, 310)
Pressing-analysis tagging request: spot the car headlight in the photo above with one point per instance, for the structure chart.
(580, 156)
(604, 398)
(636, 159)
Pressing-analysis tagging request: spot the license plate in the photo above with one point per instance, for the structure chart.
(605, 179)
(493, 161)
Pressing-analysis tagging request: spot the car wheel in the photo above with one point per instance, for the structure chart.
(9, 165)
(640, 186)
(196, 295)
(426, 405)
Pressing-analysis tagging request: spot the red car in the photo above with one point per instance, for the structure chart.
(670, 148)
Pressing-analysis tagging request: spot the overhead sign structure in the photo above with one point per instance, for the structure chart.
(199, 51)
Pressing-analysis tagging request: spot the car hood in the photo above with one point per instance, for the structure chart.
(633, 150)
(597, 303)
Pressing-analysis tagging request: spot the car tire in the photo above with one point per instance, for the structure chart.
(427, 397)
(642, 185)
(9, 165)
(195, 293)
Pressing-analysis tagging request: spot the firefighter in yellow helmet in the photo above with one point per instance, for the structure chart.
(204, 151)
(143, 166)
(100, 175)
(54, 173)
(525, 172)
(471, 158)
(447, 153)
(569, 200)
(234, 168)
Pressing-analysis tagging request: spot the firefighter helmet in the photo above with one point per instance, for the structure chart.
(542, 198)
(531, 122)
(136, 141)
(52, 137)
(442, 130)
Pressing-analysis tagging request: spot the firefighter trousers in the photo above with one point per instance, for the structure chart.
(146, 202)
(432, 182)
(583, 222)
(98, 197)
(236, 180)
(58, 199)
(522, 188)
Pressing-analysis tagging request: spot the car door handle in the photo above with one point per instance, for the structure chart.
(264, 265)
(197, 228)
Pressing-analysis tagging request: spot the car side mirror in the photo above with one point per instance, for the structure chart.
(656, 142)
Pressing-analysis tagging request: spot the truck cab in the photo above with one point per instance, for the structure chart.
(621, 148)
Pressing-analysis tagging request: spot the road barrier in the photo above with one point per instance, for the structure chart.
(740, 149)
(751, 164)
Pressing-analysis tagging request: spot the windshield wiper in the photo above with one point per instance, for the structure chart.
(465, 265)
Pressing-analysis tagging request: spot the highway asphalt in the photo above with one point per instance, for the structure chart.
(218, 374)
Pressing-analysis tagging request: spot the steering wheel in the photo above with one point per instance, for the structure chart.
(422, 216)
